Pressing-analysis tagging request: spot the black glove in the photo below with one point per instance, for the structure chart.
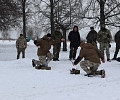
(36, 43)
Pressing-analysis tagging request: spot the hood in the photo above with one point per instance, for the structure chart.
(45, 37)
(87, 46)
(75, 27)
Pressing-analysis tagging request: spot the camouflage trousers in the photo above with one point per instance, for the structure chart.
(56, 50)
(19, 51)
(44, 60)
(73, 51)
(104, 46)
(90, 67)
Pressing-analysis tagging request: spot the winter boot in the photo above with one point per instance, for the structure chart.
(33, 62)
(57, 59)
(89, 75)
(103, 73)
(54, 59)
(114, 59)
(108, 60)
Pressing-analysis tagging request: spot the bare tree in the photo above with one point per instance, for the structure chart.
(9, 13)
(24, 6)
(103, 12)
(66, 15)
(5, 35)
(62, 13)
(29, 31)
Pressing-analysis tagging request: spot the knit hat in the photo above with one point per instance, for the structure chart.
(58, 27)
(21, 34)
(48, 35)
(91, 27)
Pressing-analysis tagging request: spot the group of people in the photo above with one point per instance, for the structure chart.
(89, 51)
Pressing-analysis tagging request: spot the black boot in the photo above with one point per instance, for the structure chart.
(57, 59)
(33, 62)
(108, 60)
(54, 59)
(89, 75)
(113, 58)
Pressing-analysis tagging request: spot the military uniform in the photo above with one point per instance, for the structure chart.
(117, 40)
(21, 45)
(91, 57)
(56, 47)
(92, 37)
(104, 38)
(43, 52)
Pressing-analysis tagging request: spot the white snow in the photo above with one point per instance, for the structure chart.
(20, 81)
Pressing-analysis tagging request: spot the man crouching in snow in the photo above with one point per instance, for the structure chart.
(44, 45)
(91, 59)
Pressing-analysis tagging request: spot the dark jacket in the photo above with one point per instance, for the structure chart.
(92, 36)
(45, 45)
(74, 38)
(89, 52)
(117, 39)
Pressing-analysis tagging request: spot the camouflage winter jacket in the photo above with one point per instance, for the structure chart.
(21, 43)
(104, 36)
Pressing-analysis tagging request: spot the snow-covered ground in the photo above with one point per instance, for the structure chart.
(20, 81)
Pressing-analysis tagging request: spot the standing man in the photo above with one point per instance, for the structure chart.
(104, 38)
(21, 45)
(92, 36)
(117, 40)
(91, 61)
(56, 47)
(74, 38)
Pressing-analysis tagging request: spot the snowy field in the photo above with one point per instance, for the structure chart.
(20, 81)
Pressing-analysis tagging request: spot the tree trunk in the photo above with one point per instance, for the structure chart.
(102, 14)
(64, 43)
(24, 18)
(52, 17)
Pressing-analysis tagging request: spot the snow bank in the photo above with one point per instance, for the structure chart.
(20, 81)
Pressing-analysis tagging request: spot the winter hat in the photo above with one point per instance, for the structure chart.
(75, 27)
(48, 35)
(58, 27)
(82, 43)
(21, 34)
(91, 27)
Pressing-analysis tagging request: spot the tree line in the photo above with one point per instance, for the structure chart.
(45, 15)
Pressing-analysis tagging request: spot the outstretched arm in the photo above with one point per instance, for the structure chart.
(77, 60)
